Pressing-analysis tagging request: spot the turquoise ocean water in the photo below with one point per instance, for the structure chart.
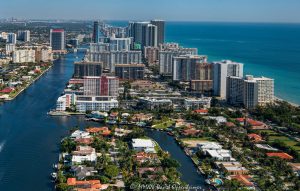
(271, 50)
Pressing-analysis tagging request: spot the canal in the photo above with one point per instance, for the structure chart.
(187, 168)
(29, 138)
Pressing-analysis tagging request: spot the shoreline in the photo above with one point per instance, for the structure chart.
(28, 85)
(280, 99)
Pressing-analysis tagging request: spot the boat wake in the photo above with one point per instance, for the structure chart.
(2, 145)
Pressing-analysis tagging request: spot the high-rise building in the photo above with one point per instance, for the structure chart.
(100, 86)
(11, 38)
(143, 33)
(9, 48)
(250, 91)
(151, 55)
(221, 71)
(96, 32)
(149, 36)
(58, 40)
(166, 57)
(43, 54)
(23, 56)
(99, 47)
(190, 67)
(120, 44)
(85, 68)
(24, 35)
(130, 71)
(235, 90)
(160, 30)
(111, 58)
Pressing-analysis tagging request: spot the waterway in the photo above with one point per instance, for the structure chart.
(187, 169)
(29, 138)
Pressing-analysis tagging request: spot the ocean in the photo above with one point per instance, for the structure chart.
(266, 49)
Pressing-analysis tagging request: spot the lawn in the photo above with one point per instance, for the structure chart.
(163, 125)
(269, 132)
(286, 140)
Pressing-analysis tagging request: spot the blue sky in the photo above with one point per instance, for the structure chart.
(187, 10)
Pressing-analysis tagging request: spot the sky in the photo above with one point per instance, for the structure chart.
(170, 10)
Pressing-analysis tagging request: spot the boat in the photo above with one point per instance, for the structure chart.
(54, 175)
(207, 181)
(55, 166)
(170, 133)
(58, 113)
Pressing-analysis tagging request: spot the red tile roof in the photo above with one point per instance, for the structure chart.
(229, 124)
(7, 90)
(102, 130)
(87, 184)
(255, 137)
(281, 155)
(244, 179)
(201, 111)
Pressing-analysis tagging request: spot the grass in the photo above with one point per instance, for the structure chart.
(163, 125)
(269, 132)
(286, 140)
(198, 139)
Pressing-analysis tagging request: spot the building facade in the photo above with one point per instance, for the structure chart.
(100, 86)
(96, 32)
(160, 30)
(191, 67)
(11, 38)
(250, 91)
(23, 56)
(166, 58)
(24, 35)
(130, 71)
(221, 71)
(85, 68)
(58, 40)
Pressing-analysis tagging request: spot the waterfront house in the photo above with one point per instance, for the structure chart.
(266, 147)
(220, 155)
(84, 153)
(84, 141)
(204, 146)
(219, 119)
(281, 155)
(122, 132)
(80, 134)
(254, 137)
(295, 168)
(146, 145)
(82, 171)
(149, 170)
(99, 130)
(257, 125)
(243, 179)
(191, 132)
(141, 117)
(7, 90)
(142, 157)
(201, 111)
(232, 168)
(86, 185)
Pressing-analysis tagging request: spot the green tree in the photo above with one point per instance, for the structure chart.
(111, 171)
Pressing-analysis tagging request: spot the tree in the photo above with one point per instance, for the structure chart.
(67, 145)
(111, 171)
(169, 163)
(63, 187)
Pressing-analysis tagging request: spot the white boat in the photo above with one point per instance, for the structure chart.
(54, 175)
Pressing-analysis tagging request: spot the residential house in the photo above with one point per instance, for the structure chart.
(86, 185)
(84, 153)
(82, 171)
(146, 145)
